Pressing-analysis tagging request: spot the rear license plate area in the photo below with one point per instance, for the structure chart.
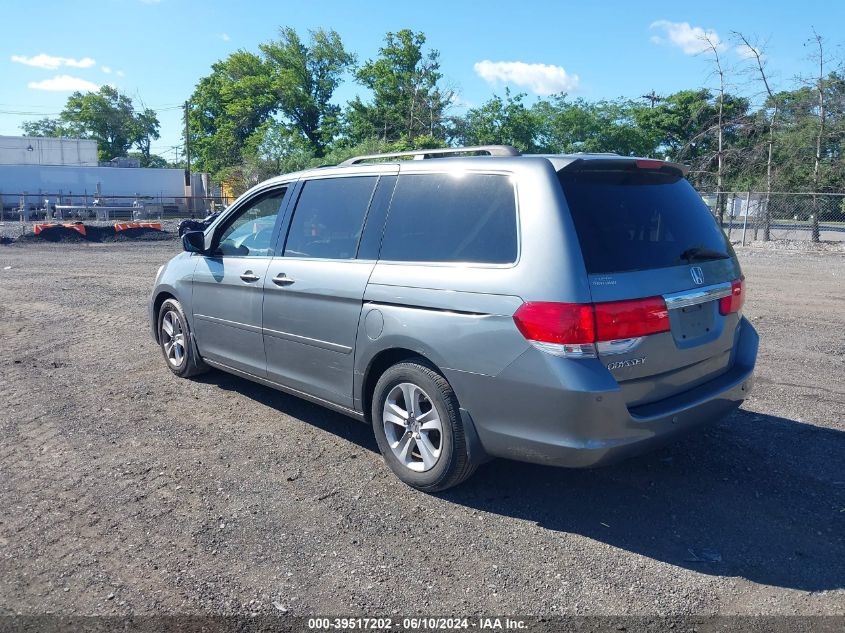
(693, 322)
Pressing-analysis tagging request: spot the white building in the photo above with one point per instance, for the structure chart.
(37, 172)
(29, 150)
(77, 182)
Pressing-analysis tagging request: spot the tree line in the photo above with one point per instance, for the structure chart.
(269, 111)
(111, 119)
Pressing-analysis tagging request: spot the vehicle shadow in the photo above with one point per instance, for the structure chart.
(315, 415)
(754, 496)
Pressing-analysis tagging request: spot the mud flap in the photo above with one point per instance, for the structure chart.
(475, 450)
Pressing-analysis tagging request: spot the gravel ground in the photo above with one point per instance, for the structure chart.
(126, 490)
(798, 245)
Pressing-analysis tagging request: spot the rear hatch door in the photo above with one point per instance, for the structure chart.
(645, 232)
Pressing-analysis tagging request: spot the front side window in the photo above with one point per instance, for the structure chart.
(250, 233)
(329, 217)
(452, 218)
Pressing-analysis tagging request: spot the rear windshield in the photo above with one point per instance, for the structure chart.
(636, 219)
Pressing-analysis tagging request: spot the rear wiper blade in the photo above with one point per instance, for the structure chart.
(702, 254)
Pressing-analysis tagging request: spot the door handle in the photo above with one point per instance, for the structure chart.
(249, 276)
(282, 280)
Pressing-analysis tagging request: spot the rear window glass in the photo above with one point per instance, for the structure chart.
(634, 219)
(451, 218)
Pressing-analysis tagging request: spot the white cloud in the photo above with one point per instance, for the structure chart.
(64, 83)
(459, 102)
(106, 69)
(692, 40)
(543, 79)
(225, 37)
(51, 62)
(120, 73)
(747, 52)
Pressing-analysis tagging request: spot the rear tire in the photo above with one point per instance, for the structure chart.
(176, 342)
(417, 424)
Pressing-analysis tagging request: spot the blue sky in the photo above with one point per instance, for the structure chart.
(156, 50)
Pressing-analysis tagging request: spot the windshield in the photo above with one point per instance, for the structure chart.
(636, 219)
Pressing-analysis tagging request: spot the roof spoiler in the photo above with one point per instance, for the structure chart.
(422, 154)
(619, 162)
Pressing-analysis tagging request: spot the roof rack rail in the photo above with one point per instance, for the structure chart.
(421, 154)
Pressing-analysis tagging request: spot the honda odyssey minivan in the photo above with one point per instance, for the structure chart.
(472, 303)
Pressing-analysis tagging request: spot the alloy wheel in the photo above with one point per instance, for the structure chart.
(412, 427)
(173, 338)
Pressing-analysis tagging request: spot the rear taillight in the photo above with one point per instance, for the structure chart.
(557, 323)
(733, 302)
(628, 319)
(573, 329)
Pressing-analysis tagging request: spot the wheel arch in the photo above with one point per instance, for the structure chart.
(388, 357)
(160, 298)
(380, 363)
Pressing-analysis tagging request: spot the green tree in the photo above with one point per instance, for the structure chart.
(285, 92)
(304, 81)
(408, 100)
(500, 121)
(685, 127)
(227, 107)
(106, 116)
(146, 131)
(603, 126)
(153, 160)
(796, 137)
(45, 127)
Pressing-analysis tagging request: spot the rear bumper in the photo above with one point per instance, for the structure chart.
(571, 413)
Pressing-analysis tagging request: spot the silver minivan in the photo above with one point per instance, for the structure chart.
(472, 303)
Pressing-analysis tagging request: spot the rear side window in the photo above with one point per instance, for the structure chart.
(636, 219)
(451, 218)
(329, 217)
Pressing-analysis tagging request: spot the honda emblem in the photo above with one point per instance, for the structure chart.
(697, 275)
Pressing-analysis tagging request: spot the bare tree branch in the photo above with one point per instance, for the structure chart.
(772, 119)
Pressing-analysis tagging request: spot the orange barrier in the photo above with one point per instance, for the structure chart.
(125, 226)
(38, 228)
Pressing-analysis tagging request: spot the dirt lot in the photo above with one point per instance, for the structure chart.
(125, 489)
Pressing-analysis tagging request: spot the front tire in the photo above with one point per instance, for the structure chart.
(418, 427)
(177, 345)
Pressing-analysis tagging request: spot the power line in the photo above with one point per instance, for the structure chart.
(35, 113)
(19, 113)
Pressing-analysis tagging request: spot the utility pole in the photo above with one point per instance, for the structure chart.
(187, 142)
(653, 97)
(188, 162)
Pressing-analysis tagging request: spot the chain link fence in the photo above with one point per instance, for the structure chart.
(746, 216)
(752, 215)
(27, 207)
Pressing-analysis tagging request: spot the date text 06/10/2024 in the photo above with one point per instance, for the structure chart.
(416, 624)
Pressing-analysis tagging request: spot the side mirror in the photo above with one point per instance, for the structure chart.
(194, 242)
